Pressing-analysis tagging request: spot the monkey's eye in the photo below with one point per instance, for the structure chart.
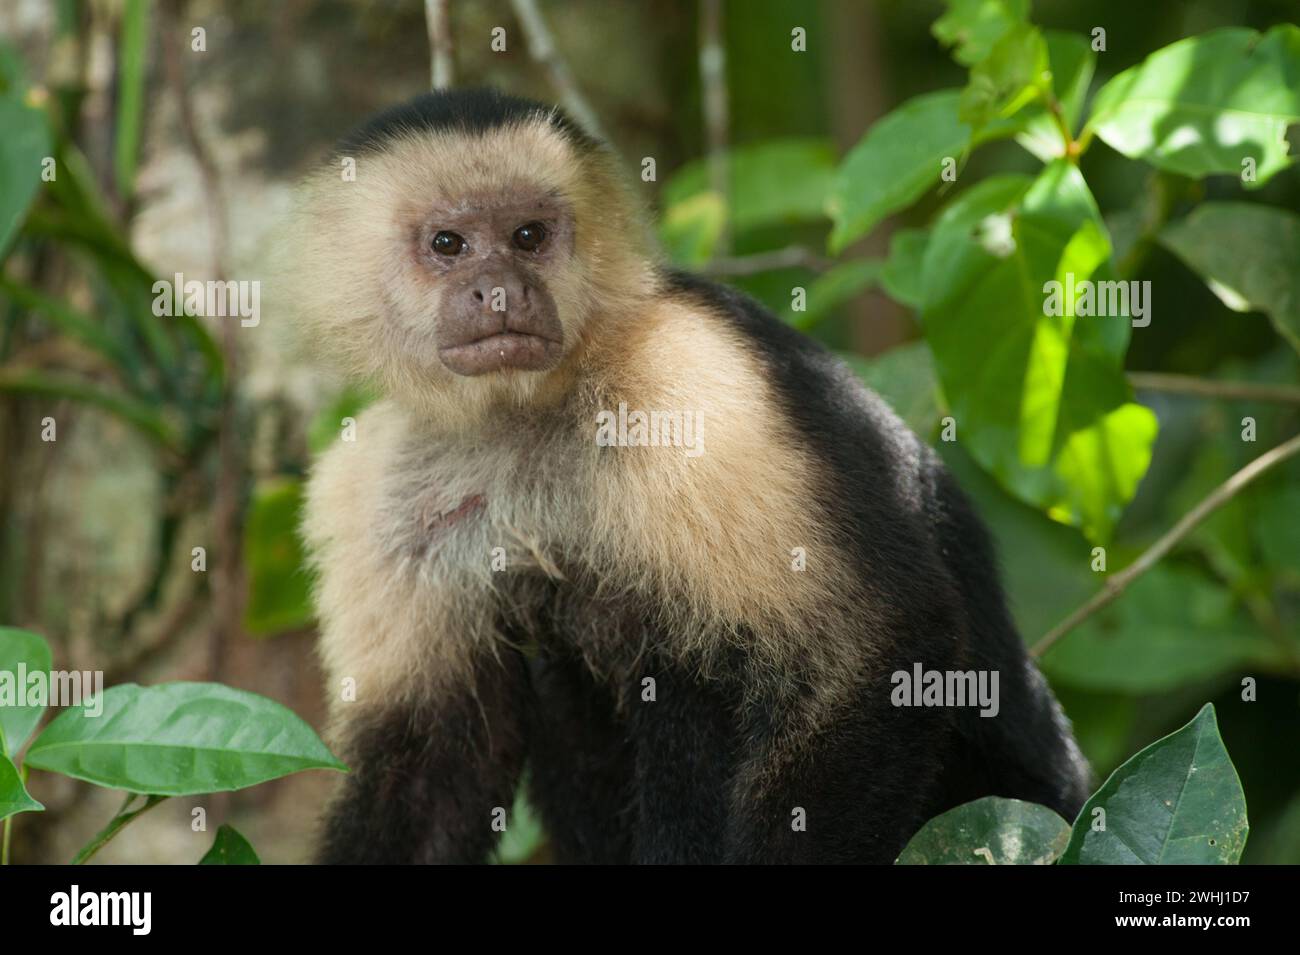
(529, 237)
(448, 243)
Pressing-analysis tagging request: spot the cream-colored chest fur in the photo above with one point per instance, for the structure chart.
(409, 529)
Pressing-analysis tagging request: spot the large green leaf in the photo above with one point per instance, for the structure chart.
(180, 739)
(23, 146)
(230, 848)
(1177, 802)
(1171, 628)
(898, 159)
(279, 587)
(901, 276)
(779, 182)
(1248, 254)
(1040, 400)
(13, 794)
(21, 653)
(973, 27)
(1202, 105)
(690, 230)
(1012, 832)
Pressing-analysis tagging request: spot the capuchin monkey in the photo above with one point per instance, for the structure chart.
(619, 532)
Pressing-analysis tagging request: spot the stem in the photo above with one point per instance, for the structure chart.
(438, 19)
(1072, 149)
(717, 120)
(1208, 388)
(115, 825)
(1115, 586)
(786, 258)
(9, 820)
(542, 48)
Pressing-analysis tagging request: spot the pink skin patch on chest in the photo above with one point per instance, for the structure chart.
(444, 520)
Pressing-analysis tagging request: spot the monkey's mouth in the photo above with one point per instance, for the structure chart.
(501, 351)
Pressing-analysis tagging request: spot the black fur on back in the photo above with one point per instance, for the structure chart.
(471, 111)
(933, 560)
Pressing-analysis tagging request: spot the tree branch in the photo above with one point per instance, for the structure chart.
(437, 17)
(790, 257)
(717, 120)
(227, 501)
(1115, 585)
(1209, 388)
(542, 48)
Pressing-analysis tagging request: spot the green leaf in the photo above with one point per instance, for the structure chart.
(327, 425)
(1013, 75)
(1203, 105)
(130, 93)
(779, 182)
(137, 413)
(279, 587)
(180, 739)
(989, 831)
(230, 848)
(1173, 627)
(904, 377)
(1040, 400)
(973, 27)
(836, 286)
(899, 158)
(13, 794)
(1278, 541)
(25, 143)
(1072, 62)
(1249, 255)
(901, 276)
(66, 319)
(524, 834)
(21, 653)
(690, 230)
(1177, 802)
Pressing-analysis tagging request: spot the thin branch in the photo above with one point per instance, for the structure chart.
(437, 16)
(226, 503)
(115, 825)
(1115, 585)
(717, 119)
(1209, 388)
(542, 48)
(793, 256)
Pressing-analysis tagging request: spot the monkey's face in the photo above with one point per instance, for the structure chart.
(460, 272)
(490, 260)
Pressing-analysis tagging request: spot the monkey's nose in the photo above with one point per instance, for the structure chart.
(500, 296)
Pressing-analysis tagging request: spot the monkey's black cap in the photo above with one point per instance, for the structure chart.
(471, 111)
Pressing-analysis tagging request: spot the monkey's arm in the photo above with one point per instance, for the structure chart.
(429, 779)
(428, 718)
